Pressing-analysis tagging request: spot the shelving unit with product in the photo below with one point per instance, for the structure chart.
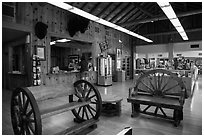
(36, 71)
(126, 66)
(104, 77)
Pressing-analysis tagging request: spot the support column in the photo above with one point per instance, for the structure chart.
(171, 52)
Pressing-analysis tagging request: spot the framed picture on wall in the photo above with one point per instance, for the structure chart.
(40, 51)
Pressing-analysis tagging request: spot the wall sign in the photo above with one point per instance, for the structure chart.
(40, 51)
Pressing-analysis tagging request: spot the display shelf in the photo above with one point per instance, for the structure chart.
(126, 66)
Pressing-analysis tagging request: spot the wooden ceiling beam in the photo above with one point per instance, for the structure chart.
(95, 7)
(113, 11)
(121, 13)
(84, 5)
(127, 15)
(160, 18)
(104, 10)
(141, 8)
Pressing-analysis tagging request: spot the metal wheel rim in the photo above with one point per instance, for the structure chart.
(92, 110)
(25, 116)
(152, 87)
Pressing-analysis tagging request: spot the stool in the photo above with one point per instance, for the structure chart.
(111, 105)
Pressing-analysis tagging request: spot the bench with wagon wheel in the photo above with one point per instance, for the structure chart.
(30, 105)
(156, 93)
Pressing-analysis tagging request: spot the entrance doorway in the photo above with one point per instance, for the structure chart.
(15, 59)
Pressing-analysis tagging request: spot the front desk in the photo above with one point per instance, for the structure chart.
(67, 77)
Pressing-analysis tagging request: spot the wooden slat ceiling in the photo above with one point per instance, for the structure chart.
(137, 16)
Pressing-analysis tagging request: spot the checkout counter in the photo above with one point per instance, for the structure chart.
(64, 77)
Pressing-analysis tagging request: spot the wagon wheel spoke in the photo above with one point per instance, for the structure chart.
(94, 102)
(158, 81)
(161, 79)
(24, 99)
(171, 88)
(25, 106)
(151, 83)
(31, 128)
(83, 113)
(88, 92)
(29, 113)
(86, 113)
(90, 111)
(20, 102)
(147, 86)
(31, 120)
(89, 98)
(79, 110)
(91, 108)
(155, 81)
(165, 84)
(27, 130)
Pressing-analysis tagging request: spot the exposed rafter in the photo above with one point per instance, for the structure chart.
(104, 10)
(84, 5)
(143, 9)
(160, 18)
(95, 7)
(122, 12)
(127, 15)
(116, 7)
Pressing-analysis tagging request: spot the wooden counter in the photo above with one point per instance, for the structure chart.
(68, 77)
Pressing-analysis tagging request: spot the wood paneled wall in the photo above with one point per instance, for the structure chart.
(29, 13)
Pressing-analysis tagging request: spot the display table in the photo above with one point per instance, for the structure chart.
(111, 105)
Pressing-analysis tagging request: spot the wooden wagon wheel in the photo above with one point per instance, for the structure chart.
(159, 82)
(85, 91)
(25, 115)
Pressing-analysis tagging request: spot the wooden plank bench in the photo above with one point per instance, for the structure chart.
(161, 90)
(30, 105)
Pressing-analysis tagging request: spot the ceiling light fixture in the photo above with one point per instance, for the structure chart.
(77, 11)
(53, 43)
(63, 40)
(168, 10)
